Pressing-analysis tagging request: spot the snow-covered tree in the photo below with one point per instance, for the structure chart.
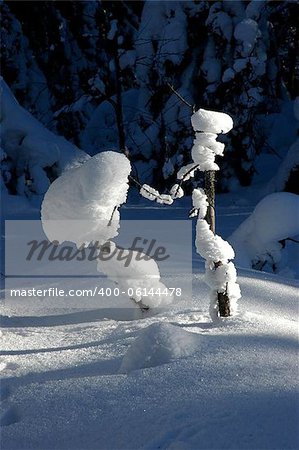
(221, 274)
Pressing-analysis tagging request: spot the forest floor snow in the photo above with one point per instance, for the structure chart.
(172, 380)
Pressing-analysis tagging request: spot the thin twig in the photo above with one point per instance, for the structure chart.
(192, 107)
(110, 220)
(293, 240)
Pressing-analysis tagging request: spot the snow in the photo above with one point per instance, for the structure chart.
(113, 30)
(152, 194)
(176, 191)
(247, 32)
(211, 121)
(254, 8)
(80, 203)
(240, 64)
(204, 157)
(228, 75)
(157, 344)
(209, 140)
(80, 378)
(207, 124)
(212, 69)
(221, 23)
(31, 146)
(210, 246)
(274, 219)
(200, 202)
(167, 168)
(163, 25)
(296, 107)
(291, 160)
(167, 379)
(187, 172)
(132, 272)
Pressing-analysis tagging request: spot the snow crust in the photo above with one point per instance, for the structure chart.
(80, 203)
(62, 386)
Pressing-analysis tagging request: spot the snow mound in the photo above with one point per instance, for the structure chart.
(88, 196)
(158, 344)
(211, 121)
(278, 182)
(257, 239)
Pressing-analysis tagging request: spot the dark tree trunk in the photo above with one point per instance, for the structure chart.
(118, 106)
(210, 193)
(223, 304)
(222, 297)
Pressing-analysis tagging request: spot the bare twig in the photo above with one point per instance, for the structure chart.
(192, 107)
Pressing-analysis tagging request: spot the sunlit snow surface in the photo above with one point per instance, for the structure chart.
(81, 380)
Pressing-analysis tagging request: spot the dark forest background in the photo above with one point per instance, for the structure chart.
(86, 69)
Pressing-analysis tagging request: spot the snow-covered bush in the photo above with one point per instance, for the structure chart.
(260, 240)
(82, 206)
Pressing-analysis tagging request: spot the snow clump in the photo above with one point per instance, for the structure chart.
(81, 205)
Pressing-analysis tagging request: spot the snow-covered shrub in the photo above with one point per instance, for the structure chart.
(82, 206)
(260, 240)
